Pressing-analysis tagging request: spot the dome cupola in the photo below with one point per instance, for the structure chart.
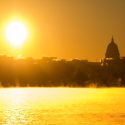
(112, 50)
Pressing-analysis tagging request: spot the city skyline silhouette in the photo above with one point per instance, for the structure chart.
(64, 29)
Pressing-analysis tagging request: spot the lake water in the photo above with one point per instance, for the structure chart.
(62, 106)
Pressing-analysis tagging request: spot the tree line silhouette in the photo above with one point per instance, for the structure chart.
(52, 72)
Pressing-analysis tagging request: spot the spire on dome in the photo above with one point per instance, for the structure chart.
(112, 39)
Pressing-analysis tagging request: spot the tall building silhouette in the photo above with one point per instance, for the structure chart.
(112, 51)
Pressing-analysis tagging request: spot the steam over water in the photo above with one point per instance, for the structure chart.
(62, 106)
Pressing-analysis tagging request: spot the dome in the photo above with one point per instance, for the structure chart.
(112, 50)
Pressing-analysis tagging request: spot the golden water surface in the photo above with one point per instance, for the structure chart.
(62, 106)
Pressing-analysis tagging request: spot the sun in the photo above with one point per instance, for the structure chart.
(16, 33)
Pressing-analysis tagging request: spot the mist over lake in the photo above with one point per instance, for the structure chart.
(62, 106)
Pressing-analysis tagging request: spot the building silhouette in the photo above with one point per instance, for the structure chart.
(112, 51)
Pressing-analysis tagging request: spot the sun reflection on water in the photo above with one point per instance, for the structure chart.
(14, 100)
(22, 105)
(61, 106)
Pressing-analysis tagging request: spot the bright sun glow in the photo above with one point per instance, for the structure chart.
(16, 33)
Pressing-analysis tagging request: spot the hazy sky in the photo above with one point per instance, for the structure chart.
(66, 28)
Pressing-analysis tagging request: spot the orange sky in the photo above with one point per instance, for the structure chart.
(65, 28)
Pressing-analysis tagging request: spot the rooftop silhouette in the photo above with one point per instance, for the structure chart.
(112, 50)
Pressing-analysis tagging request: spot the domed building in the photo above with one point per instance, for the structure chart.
(112, 51)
